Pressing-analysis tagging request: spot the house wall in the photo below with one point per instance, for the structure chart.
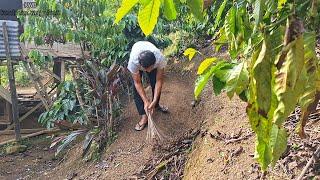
(8, 9)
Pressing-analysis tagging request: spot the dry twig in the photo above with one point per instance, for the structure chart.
(311, 160)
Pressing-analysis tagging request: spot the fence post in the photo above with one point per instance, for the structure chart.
(15, 111)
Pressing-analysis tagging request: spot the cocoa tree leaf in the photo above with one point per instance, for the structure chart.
(203, 79)
(170, 11)
(262, 76)
(218, 85)
(238, 80)
(190, 53)
(196, 8)
(290, 80)
(148, 16)
(205, 64)
(263, 151)
(307, 100)
(278, 142)
(126, 6)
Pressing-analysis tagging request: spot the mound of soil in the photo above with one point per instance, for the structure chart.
(225, 149)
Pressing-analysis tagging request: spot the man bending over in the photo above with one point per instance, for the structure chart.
(146, 57)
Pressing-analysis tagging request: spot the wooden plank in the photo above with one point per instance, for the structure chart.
(26, 115)
(22, 131)
(35, 85)
(43, 89)
(4, 123)
(5, 94)
(52, 74)
(48, 81)
(32, 135)
(29, 112)
(14, 100)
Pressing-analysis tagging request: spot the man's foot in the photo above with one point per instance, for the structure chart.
(162, 108)
(142, 124)
(140, 127)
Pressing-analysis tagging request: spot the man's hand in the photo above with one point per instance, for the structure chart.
(147, 104)
(152, 106)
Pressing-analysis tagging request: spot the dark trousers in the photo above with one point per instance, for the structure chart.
(137, 98)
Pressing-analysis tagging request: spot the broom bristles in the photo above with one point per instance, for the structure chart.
(153, 134)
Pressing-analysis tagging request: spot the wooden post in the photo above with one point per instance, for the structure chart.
(57, 70)
(8, 112)
(15, 111)
(63, 70)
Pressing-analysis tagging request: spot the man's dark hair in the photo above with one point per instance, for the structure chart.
(146, 59)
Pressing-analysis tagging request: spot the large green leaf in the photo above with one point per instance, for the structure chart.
(148, 16)
(218, 85)
(260, 123)
(170, 11)
(278, 142)
(262, 77)
(258, 12)
(205, 65)
(219, 14)
(307, 99)
(311, 69)
(190, 53)
(126, 6)
(230, 23)
(238, 80)
(203, 79)
(263, 150)
(230, 28)
(290, 80)
(196, 7)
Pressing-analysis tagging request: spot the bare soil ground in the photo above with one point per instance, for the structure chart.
(127, 155)
(35, 161)
(216, 155)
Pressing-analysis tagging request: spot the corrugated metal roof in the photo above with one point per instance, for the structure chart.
(13, 36)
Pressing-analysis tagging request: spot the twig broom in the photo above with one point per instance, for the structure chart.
(153, 134)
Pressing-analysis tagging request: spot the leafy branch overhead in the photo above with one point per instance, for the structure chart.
(149, 11)
(273, 65)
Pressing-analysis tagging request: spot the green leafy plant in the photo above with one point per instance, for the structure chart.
(65, 108)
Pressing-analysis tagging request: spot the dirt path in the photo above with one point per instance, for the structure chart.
(129, 153)
(38, 159)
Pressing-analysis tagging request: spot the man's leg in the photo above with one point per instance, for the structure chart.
(138, 100)
(153, 80)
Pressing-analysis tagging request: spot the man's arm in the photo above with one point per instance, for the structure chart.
(138, 85)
